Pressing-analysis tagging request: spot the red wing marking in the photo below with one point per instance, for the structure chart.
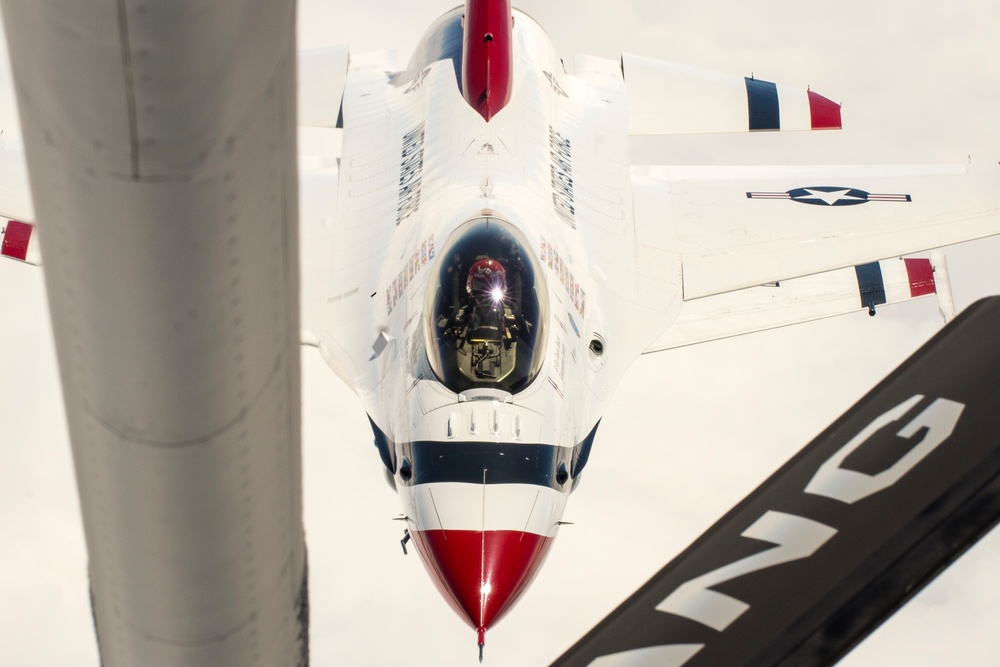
(824, 114)
(921, 276)
(15, 239)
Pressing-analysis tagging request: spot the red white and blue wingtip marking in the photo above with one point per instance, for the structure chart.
(19, 241)
(891, 281)
(764, 108)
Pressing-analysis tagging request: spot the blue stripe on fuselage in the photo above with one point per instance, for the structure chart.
(503, 463)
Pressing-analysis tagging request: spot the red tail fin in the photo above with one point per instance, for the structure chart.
(488, 56)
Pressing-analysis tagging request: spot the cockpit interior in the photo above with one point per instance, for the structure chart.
(486, 310)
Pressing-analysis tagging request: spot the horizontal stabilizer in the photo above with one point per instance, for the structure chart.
(843, 534)
(668, 98)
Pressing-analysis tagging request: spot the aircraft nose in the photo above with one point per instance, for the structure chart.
(481, 573)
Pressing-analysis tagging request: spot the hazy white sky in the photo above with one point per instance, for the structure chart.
(689, 432)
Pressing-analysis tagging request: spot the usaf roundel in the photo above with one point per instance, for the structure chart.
(829, 195)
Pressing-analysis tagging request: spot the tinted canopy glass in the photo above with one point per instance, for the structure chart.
(486, 309)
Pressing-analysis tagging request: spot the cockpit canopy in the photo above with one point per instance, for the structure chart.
(486, 313)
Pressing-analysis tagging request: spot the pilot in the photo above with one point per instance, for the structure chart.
(483, 296)
(487, 282)
(493, 316)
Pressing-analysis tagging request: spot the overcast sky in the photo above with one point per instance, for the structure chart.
(689, 432)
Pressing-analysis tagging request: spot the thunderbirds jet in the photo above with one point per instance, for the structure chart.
(497, 265)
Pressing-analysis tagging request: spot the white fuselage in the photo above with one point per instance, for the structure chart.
(551, 171)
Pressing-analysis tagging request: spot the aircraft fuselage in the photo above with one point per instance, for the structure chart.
(483, 388)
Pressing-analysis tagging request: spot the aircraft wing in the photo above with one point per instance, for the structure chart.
(321, 77)
(741, 227)
(346, 229)
(862, 287)
(318, 183)
(842, 535)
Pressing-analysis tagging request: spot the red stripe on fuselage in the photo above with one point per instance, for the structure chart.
(481, 574)
(488, 56)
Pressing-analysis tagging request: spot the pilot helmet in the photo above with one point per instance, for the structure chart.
(487, 281)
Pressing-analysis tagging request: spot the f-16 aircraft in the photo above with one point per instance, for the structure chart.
(589, 303)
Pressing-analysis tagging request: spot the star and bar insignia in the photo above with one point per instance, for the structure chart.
(827, 195)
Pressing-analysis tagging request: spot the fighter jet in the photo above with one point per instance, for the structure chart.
(481, 263)
(491, 264)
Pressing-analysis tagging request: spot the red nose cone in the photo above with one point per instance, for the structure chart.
(481, 574)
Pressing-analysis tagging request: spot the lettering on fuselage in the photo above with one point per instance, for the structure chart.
(561, 170)
(559, 358)
(414, 263)
(410, 171)
(550, 257)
